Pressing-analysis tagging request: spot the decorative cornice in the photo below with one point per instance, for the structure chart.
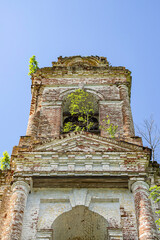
(92, 136)
(74, 64)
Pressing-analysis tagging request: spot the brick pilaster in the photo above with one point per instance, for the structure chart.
(14, 220)
(34, 115)
(145, 221)
(126, 111)
(50, 120)
(114, 110)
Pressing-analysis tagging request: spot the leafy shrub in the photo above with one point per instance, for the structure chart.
(5, 161)
(155, 195)
(33, 65)
(109, 127)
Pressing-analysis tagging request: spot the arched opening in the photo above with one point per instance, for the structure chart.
(80, 224)
(85, 117)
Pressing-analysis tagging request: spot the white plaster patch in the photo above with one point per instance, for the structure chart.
(49, 211)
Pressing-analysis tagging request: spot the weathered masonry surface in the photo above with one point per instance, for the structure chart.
(79, 185)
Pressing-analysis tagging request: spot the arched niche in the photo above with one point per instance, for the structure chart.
(80, 224)
(66, 117)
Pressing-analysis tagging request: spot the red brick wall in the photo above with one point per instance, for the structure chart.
(50, 121)
(4, 209)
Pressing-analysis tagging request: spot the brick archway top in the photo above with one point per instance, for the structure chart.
(99, 96)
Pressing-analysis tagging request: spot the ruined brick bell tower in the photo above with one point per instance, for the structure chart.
(83, 185)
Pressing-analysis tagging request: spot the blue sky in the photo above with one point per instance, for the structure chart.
(126, 32)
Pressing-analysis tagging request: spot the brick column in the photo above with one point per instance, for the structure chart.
(14, 220)
(145, 221)
(33, 121)
(126, 109)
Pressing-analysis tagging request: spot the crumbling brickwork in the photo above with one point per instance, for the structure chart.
(55, 177)
(110, 85)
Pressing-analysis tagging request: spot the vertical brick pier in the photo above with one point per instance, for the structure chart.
(145, 221)
(127, 115)
(14, 220)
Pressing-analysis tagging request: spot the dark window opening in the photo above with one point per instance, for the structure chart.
(74, 122)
